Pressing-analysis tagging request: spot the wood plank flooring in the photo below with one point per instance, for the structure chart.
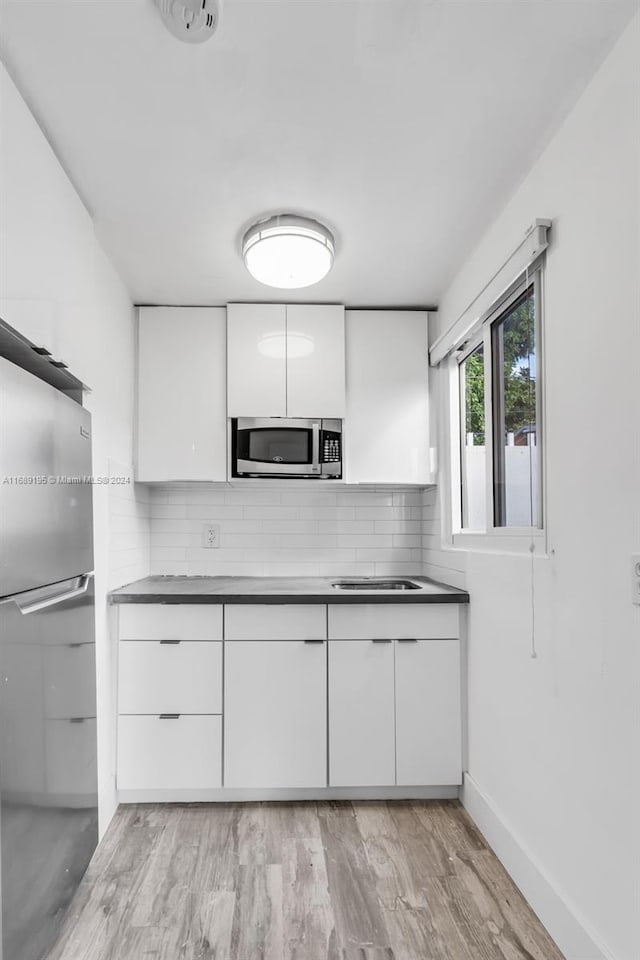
(368, 880)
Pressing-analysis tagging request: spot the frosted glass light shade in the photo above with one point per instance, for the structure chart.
(291, 345)
(288, 251)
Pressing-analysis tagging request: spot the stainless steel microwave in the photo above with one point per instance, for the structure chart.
(278, 447)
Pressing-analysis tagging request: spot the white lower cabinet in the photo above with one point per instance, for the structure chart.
(362, 750)
(294, 696)
(169, 698)
(180, 752)
(275, 721)
(428, 724)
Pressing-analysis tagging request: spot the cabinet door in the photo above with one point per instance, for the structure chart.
(182, 426)
(275, 704)
(361, 714)
(428, 723)
(256, 360)
(315, 361)
(387, 422)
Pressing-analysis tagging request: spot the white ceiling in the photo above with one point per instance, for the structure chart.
(402, 124)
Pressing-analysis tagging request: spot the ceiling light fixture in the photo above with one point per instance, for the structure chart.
(288, 251)
(193, 21)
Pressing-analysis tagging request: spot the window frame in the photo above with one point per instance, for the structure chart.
(530, 539)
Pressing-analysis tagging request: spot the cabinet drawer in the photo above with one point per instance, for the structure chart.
(169, 754)
(275, 622)
(170, 621)
(393, 621)
(160, 677)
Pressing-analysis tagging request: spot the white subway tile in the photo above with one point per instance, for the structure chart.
(213, 512)
(407, 540)
(177, 554)
(262, 512)
(398, 569)
(307, 498)
(389, 555)
(169, 510)
(290, 526)
(357, 569)
(215, 568)
(364, 498)
(327, 513)
(398, 526)
(247, 541)
(293, 570)
(168, 568)
(168, 538)
(378, 541)
(346, 526)
(255, 498)
(383, 513)
(309, 541)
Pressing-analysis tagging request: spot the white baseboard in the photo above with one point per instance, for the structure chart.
(231, 795)
(557, 914)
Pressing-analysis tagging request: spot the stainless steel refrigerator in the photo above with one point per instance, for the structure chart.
(48, 770)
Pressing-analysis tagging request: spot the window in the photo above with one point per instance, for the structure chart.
(498, 373)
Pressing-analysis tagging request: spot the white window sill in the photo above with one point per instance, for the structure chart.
(515, 541)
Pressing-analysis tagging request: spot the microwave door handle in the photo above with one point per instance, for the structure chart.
(315, 447)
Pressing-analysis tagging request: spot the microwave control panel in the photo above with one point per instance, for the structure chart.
(330, 446)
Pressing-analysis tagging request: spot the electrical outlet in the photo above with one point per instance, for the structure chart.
(211, 536)
(635, 578)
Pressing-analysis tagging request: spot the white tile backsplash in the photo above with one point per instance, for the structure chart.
(129, 526)
(286, 531)
(438, 563)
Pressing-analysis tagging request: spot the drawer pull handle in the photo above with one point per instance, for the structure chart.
(314, 641)
(407, 639)
(169, 716)
(381, 640)
(171, 641)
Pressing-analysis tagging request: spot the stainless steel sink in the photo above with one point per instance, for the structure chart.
(389, 584)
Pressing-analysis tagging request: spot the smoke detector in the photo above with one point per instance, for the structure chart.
(193, 21)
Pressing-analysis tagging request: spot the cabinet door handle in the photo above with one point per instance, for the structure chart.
(169, 716)
(171, 641)
(407, 639)
(314, 641)
(381, 641)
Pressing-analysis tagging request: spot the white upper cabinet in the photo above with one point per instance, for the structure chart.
(257, 360)
(315, 361)
(387, 419)
(182, 427)
(285, 360)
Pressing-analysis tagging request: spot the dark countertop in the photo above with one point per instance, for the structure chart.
(278, 590)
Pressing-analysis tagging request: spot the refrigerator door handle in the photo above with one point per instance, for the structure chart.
(83, 583)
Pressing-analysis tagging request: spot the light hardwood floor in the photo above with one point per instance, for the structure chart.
(299, 881)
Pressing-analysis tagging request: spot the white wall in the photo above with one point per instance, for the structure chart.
(269, 530)
(59, 289)
(554, 741)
